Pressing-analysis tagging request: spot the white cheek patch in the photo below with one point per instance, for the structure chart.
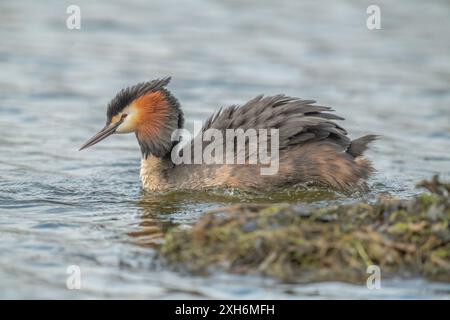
(125, 127)
(128, 124)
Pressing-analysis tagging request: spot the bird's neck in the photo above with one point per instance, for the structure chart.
(155, 139)
(155, 172)
(162, 116)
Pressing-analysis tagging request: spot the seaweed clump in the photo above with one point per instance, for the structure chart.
(300, 243)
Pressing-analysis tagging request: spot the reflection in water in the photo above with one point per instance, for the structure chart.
(151, 231)
(161, 211)
(152, 225)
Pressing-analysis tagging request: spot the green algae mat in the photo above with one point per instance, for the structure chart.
(300, 243)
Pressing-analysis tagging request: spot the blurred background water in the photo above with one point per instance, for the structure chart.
(61, 207)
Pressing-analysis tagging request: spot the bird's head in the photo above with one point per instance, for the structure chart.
(147, 109)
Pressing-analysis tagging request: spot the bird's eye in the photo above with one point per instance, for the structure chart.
(124, 115)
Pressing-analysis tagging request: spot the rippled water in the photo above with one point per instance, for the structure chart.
(61, 207)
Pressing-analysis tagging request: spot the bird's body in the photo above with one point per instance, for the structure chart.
(312, 148)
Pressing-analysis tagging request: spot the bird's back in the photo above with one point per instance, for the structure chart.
(312, 148)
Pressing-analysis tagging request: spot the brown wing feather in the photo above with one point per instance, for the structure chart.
(316, 149)
(299, 121)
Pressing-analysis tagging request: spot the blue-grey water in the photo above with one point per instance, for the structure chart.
(60, 207)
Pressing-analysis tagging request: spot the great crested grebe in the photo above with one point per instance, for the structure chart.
(312, 148)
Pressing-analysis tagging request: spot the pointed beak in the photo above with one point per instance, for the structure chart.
(102, 134)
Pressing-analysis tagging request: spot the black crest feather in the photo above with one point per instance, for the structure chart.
(127, 95)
